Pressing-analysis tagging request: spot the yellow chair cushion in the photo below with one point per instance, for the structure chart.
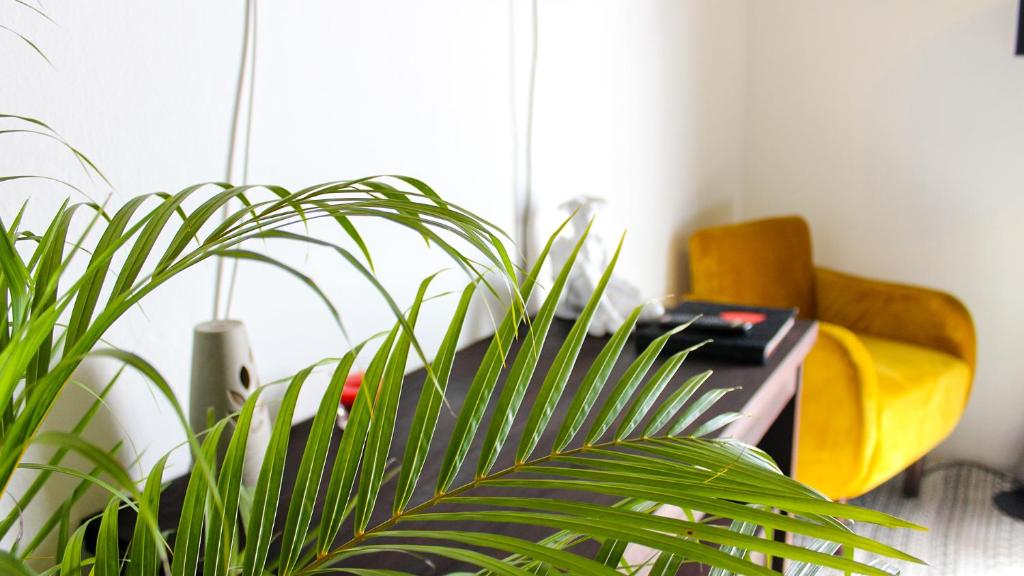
(921, 395)
(838, 406)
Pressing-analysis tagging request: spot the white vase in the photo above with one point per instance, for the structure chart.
(223, 377)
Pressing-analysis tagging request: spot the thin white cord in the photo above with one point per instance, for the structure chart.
(248, 139)
(246, 70)
(528, 144)
(513, 102)
(524, 195)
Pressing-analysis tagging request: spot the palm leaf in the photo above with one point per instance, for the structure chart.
(41, 128)
(350, 453)
(29, 494)
(429, 405)
(73, 561)
(486, 377)
(387, 391)
(554, 383)
(311, 467)
(667, 564)
(695, 474)
(35, 48)
(268, 486)
(627, 385)
(594, 381)
(221, 528)
(133, 233)
(11, 564)
(144, 551)
(519, 376)
(108, 556)
(190, 523)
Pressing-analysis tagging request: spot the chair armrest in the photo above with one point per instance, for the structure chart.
(838, 426)
(920, 316)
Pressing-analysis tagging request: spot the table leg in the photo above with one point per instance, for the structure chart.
(780, 443)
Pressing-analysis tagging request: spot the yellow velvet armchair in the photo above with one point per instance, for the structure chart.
(891, 372)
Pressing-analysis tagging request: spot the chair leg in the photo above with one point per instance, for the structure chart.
(912, 479)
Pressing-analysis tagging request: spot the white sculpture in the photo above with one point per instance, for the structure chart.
(620, 297)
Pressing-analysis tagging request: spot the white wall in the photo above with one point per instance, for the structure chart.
(897, 129)
(642, 103)
(638, 102)
(146, 94)
(349, 89)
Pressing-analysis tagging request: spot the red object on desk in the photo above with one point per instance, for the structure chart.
(742, 316)
(351, 389)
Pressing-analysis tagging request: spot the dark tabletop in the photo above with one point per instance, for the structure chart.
(763, 392)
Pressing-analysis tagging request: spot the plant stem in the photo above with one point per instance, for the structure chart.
(327, 557)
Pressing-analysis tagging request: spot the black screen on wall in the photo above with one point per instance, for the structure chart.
(1020, 30)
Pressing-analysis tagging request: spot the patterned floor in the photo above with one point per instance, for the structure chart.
(968, 535)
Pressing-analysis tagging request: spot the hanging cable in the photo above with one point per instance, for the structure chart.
(245, 151)
(526, 217)
(513, 102)
(246, 70)
(523, 194)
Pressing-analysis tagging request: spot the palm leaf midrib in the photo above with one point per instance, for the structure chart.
(440, 498)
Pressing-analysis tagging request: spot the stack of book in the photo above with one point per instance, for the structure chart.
(742, 334)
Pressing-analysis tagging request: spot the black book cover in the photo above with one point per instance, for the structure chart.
(752, 347)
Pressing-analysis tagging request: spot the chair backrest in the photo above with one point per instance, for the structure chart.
(759, 263)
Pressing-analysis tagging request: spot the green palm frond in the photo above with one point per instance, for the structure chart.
(617, 442)
(11, 564)
(27, 125)
(54, 320)
(27, 41)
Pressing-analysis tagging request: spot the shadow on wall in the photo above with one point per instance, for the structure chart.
(709, 132)
(678, 265)
(105, 429)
